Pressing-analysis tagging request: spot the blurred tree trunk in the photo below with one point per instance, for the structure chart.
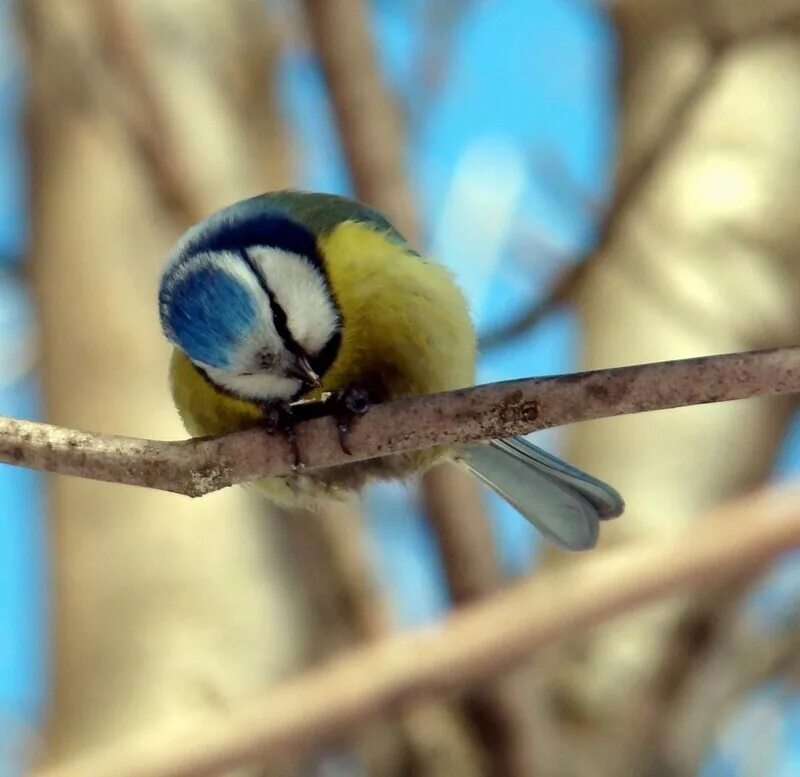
(704, 260)
(165, 608)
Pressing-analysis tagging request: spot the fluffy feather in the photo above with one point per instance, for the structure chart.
(334, 278)
(406, 331)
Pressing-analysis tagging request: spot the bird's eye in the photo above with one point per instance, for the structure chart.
(265, 360)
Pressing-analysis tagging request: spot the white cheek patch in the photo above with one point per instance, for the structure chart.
(259, 386)
(246, 376)
(303, 293)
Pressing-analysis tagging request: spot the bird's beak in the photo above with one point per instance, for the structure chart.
(302, 370)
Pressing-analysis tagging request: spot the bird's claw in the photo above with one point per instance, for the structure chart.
(279, 418)
(348, 404)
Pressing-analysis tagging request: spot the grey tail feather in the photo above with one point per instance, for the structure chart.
(564, 503)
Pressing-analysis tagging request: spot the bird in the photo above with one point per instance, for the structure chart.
(292, 303)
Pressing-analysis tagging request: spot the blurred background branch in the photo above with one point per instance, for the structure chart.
(124, 99)
(638, 166)
(473, 644)
(690, 266)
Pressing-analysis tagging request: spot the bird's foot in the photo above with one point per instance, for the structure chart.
(348, 404)
(279, 418)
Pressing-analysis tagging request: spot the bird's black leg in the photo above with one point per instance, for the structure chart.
(348, 404)
(280, 419)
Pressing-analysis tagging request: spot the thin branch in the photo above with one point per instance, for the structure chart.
(745, 658)
(458, 538)
(367, 116)
(349, 608)
(492, 411)
(502, 713)
(474, 644)
(347, 570)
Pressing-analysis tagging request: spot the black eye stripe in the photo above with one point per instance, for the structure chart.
(325, 358)
(278, 313)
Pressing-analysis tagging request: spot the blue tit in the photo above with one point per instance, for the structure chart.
(293, 296)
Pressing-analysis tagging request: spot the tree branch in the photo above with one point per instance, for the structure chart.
(495, 410)
(743, 659)
(367, 117)
(476, 643)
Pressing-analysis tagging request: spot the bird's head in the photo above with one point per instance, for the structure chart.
(246, 297)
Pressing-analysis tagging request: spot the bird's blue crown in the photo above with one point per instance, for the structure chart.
(207, 306)
(207, 313)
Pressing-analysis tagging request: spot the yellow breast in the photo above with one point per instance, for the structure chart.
(406, 328)
(203, 408)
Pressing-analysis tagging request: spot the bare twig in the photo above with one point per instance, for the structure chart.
(366, 115)
(743, 659)
(502, 712)
(343, 549)
(456, 539)
(350, 608)
(437, 55)
(474, 644)
(495, 410)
